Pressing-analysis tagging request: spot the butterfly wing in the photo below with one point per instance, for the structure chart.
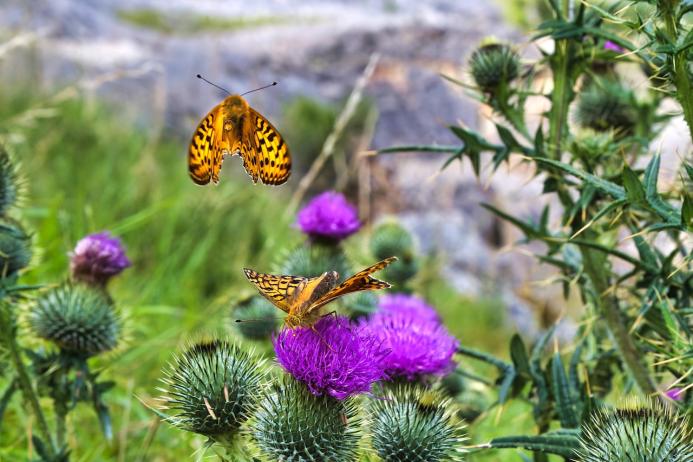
(280, 290)
(264, 149)
(356, 283)
(207, 147)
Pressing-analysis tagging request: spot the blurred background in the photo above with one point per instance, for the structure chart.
(99, 100)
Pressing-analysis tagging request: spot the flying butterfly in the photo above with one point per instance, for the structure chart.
(233, 127)
(301, 298)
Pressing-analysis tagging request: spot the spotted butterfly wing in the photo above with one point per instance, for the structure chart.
(280, 290)
(264, 149)
(207, 148)
(356, 283)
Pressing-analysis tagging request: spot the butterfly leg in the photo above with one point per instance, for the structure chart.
(322, 339)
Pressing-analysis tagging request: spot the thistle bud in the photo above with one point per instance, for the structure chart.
(494, 64)
(212, 389)
(261, 317)
(15, 248)
(415, 424)
(392, 239)
(607, 105)
(11, 184)
(639, 431)
(77, 318)
(312, 261)
(293, 424)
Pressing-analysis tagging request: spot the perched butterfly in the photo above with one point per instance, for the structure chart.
(233, 127)
(301, 298)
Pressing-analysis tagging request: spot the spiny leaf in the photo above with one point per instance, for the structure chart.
(603, 185)
(566, 406)
(634, 189)
(561, 443)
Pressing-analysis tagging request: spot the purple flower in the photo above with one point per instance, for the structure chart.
(98, 257)
(609, 45)
(337, 358)
(329, 215)
(404, 303)
(418, 346)
(675, 394)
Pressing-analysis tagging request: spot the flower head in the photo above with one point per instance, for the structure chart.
(410, 304)
(333, 358)
(330, 216)
(98, 257)
(418, 346)
(494, 64)
(611, 46)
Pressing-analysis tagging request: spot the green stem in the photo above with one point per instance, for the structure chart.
(30, 395)
(560, 98)
(6, 397)
(607, 306)
(680, 77)
(60, 423)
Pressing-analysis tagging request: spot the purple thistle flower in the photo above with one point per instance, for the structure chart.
(337, 358)
(418, 346)
(330, 216)
(98, 257)
(674, 394)
(609, 45)
(410, 304)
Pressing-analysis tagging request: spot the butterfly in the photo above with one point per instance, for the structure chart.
(301, 298)
(233, 127)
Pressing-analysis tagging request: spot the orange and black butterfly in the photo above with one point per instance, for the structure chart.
(233, 127)
(301, 298)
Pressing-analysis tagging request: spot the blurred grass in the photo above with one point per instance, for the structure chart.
(185, 23)
(89, 170)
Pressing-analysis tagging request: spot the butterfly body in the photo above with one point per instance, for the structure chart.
(301, 298)
(233, 127)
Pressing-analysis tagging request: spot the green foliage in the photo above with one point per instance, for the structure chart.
(293, 425)
(11, 182)
(313, 260)
(413, 424)
(212, 388)
(15, 248)
(77, 318)
(307, 123)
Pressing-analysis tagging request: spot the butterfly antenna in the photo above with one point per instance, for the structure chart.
(259, 319)
(213, 84)
(261, 88)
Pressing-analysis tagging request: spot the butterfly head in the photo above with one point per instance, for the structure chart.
(235, 107)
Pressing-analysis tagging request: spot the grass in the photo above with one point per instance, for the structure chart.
(87, 170)
(187, 23)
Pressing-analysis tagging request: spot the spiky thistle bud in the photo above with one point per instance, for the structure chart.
(415, 424)
(79, 319)
(260, 316)
(606, 105)
(293, 425)
(392, 239)
(11, 184)
(312, 261)
(361, 304)
(212, 389)
(15, 248)
(494, 64)
(639, 431)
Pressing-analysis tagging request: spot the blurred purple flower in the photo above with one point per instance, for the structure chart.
(337, 358)
(675, 394)
(98, 257)
(609, 45)
(418, 346)
(329, 215)
(411, 304)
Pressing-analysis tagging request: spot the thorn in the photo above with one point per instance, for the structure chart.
(209, 409)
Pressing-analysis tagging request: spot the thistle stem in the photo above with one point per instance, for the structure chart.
(607, 306)
(560, 98)
(30, 394)
(680, 75)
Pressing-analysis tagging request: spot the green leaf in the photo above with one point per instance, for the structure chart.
(527, 228)
(603, 185)
(566, 406)
(418, 148)
(562, 443)
(662, 208)
(687, 212)
(518, 354)
(510, 142)
(634, 189)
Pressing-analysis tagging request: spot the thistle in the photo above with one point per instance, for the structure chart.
(78, 319)
(261, 316)
(392, 239)
(332, 358)
(328, 217)
(646, 432)
(11, 184)
(15, 248)
(607, 105)
(361, 304)
(494, 64)
(294, 425)
(212, 389)
(413, 424)
(312, 261)
(97, 258)
(394, 303)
